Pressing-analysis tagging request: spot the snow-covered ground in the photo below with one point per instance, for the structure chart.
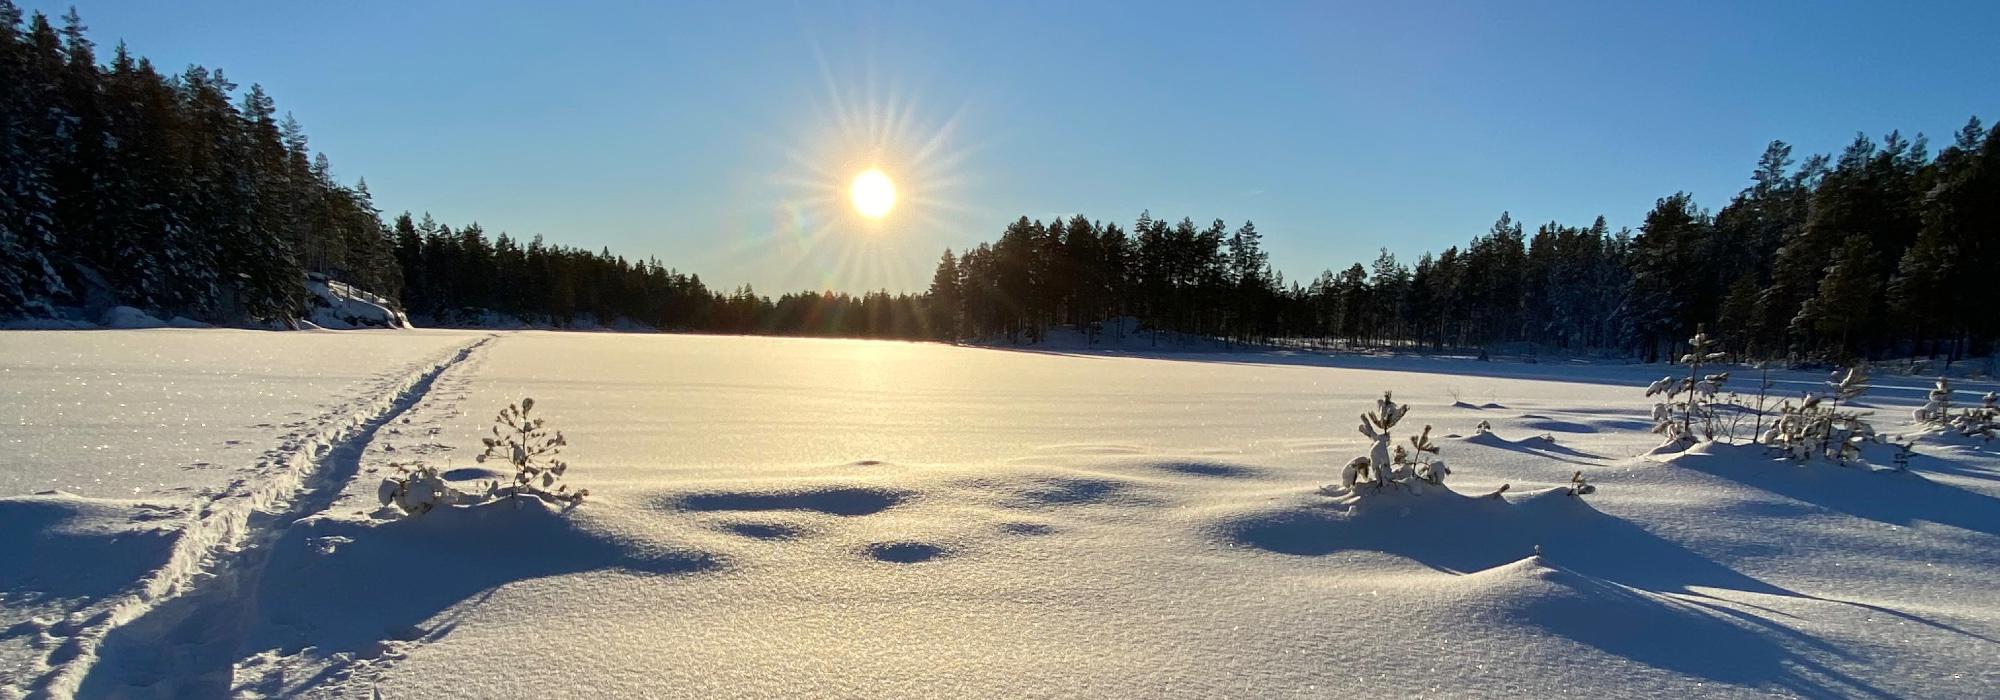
(792, 517)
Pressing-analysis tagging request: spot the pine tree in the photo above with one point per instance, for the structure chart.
(945, 298)
(28, 236)
(1843, 310)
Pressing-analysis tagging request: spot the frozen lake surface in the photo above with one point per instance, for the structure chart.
(841, 518)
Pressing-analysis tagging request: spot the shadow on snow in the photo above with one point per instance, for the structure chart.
(346, 587)
(1620, 588)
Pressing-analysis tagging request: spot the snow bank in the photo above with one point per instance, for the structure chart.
(126, 317)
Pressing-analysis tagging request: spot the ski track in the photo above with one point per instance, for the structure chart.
(175, 634)
(412, 431)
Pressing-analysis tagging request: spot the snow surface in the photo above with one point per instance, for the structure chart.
(137, 413)
(794, 517)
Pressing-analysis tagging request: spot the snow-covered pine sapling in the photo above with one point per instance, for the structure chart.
(1982, 421)
(1375, 426)
(1385, 463)
(1937, 406)
(1687, 406)
(1763, 398)
(1579, 486)
(1700, 352)
(1815, 428)
(1483, 428)
(1791, 434)
(1844, 440)
(1427, 466)
(528, 444)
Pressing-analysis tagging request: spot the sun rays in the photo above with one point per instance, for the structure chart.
(868, 178)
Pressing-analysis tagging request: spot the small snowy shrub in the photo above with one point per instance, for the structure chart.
(525, 443)
(1579, 486)
(1818, 428)
(1413, 468)
(418, 489)
(1937, 404)
(531, 448)
(1384, 464)
(1982, 421)
(1686, 410)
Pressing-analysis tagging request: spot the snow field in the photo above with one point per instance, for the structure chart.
(169, 411)
(88, 566)
(847, 519)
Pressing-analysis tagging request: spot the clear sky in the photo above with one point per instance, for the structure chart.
(720, 136)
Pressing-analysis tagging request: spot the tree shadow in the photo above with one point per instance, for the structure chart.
(831, 500)
(446, 559)
(344, 587)
(1219, 470)
(1685, 634)
(1898, 498)
(1535, 421)
(1940, 465)
(1455, 533)
(1537, 446)
(1630, 589)
(61, 547)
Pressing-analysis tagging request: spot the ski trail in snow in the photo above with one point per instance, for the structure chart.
(193, 606)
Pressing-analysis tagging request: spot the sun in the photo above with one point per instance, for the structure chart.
(873, 193)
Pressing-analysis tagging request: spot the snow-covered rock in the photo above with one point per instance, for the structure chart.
(339, 306)
(128, 318)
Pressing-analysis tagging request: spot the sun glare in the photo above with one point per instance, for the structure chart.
(873, 193)
(867, 176)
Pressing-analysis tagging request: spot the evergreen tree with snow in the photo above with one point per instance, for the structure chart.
(945, 298)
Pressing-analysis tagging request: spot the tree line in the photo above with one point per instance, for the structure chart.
(183, 195)
(180, 194)
(463, 278)
(1881, 251)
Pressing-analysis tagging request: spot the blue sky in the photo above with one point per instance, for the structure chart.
(718, 136)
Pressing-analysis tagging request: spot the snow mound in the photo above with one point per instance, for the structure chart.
(1873, 494)
(1452, 532)
(1687, 634)
(1538, 445)
(126, 317)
